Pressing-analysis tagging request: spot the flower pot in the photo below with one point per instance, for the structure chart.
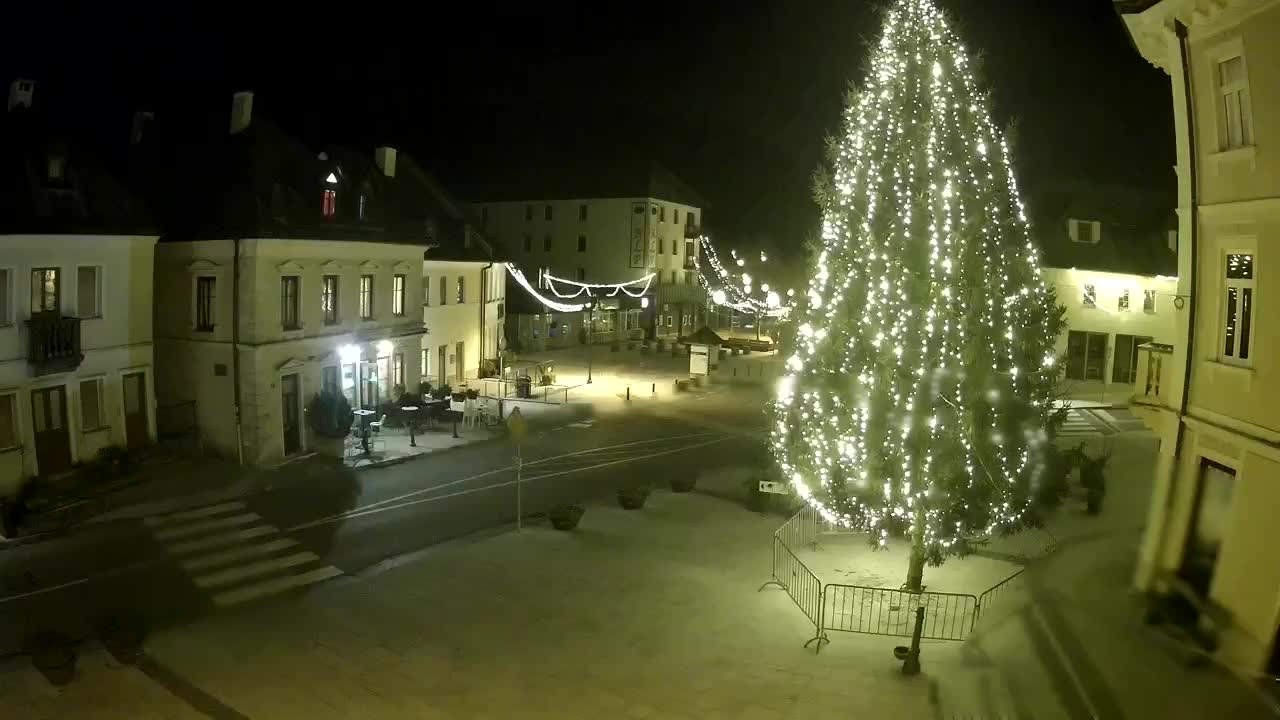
(55, 658)
(683, 484)
(566, 517)
(633, 498)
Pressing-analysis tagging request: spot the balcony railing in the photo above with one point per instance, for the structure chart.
(1151, 386)
(53, 343)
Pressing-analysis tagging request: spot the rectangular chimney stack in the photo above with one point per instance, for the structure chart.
(385, 157)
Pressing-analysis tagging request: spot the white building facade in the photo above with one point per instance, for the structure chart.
(463, 308)
(1211, 531)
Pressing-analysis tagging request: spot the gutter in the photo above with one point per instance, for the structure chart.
(235, 347)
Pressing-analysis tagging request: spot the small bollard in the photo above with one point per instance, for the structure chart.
(911, 666)
(653, 389)
(628, 393)
(455, 428)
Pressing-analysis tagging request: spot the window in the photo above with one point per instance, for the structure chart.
(289, 302)
(661, 248)
(673, 277)
(329, 379)
(1124, 364)
(329, 299)
(691, 219)
(397, 371)
(546, 212)
(329, 204)
(205, 305)
(1086, 355)
(462, 291)
(57, 165)
(1084, 231)
(46, 290)
(582, 243)
(1238, 317)
(688, 251)
(528, 212)
(546, 243)
(582, 274)
(426, 290)
(366, 297)
(8, 421)
(675, 215)
(1235, 122)
(360, 210)
(675, 247)
(424, 365)
(92, 412)
(1148, 301)
(444, 290)
(484, 215)
(582, 213)
(6, 285)
(1123, 303)
(1090, 296)
(528, 242)
(662, 213)
(397, 295)
(1211, 523)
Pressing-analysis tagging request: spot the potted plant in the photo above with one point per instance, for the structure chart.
(566, 517)
(424, 390)
(330, 417)
(683, 482)
(1094, 482)
(55, 658)
(633, 498)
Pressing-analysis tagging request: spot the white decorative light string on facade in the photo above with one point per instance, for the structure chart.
(919, 394)
(727, 291)
(546, 301)
(598, 289)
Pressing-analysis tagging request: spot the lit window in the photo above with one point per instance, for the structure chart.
(205, 308)
(1123, 303)
(462, 292)
(1235, 114)
(361, 209)
(397, 371)
(1148, 301)
(46, 290)
(289, 302)
(366, 297)
(1237, 328)
(329, 205)
(1090, 296)
(397, 295)
(329, 299)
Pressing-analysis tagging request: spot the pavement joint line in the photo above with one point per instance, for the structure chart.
(487, 473)
(361, 512)
(42, 591)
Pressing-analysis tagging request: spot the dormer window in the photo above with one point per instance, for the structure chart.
(57, 166)
(330, 204)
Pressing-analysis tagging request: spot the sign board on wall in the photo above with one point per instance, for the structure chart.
(698, 359)
(652, 227)
(639, 250)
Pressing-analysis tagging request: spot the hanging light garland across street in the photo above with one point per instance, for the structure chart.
(737, 293)
(599, 289)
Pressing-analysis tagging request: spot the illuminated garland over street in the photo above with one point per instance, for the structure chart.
(918, 398)
(546, 301)
(736, 293)
(588, 288)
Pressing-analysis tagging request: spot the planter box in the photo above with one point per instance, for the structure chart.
(633, 499)
(566, 518)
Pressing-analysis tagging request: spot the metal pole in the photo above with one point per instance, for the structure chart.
(911, 666)
(519, 498)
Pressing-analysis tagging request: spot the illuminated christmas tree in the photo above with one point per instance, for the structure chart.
(919, 399)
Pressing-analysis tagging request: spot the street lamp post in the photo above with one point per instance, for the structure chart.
(591, 331)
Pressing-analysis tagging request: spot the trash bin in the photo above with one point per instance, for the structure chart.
(524, 387)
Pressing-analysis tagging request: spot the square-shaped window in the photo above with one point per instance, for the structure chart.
(1237, 316)
(1085, 231)
(1235, 116)
(1090, 296)
(289, 302)
(546, 212)
(206, 299)
(8, 421)
(89, 291)
(582, 243)
(462, 289)
(444, 290)
(46, 290)
(1148, 301)
(1122, 304)
(366, 297)
(582, 212)
(93, 414)
(397, 295)
(329, 299)
(546, 243)
(6, 297)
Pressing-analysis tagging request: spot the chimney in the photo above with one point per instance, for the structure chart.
(386, 159)
(140, 120)
(20, 92)
(241, 111)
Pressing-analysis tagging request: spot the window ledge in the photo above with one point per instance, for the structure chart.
(11, 449)
(1236, 153)
(1230, 369)
(100, 428)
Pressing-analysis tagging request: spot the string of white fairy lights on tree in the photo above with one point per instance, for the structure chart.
(735, 289)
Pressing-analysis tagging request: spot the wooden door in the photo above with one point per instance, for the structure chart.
(135, 410)
(290, 415)
(49, 425)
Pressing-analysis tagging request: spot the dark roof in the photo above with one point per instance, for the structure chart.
(1126, 7)
(88, 198)
(704, 336)
(1135, 225)
(613, 172)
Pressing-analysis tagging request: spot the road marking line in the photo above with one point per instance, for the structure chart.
(273, 586)
(185, 515)
(361, 512)
(237, 553)
(254, 569)
(191, 546)
(42, 591)
(207, 525)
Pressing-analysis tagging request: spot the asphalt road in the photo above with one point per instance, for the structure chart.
(329, 522)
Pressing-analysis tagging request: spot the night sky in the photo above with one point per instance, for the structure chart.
(737, 98)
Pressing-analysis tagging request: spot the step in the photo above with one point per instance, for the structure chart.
(274, 586)
(254, 569)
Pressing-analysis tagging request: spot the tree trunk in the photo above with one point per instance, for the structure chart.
(915, 571)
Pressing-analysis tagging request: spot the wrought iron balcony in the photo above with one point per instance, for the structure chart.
(53, 343)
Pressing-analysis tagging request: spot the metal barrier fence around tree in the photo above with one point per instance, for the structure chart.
(869, 610)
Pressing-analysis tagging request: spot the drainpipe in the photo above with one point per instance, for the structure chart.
(1194, 229)
(235, 346)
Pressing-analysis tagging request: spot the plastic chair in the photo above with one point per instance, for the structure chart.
(469, 413)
